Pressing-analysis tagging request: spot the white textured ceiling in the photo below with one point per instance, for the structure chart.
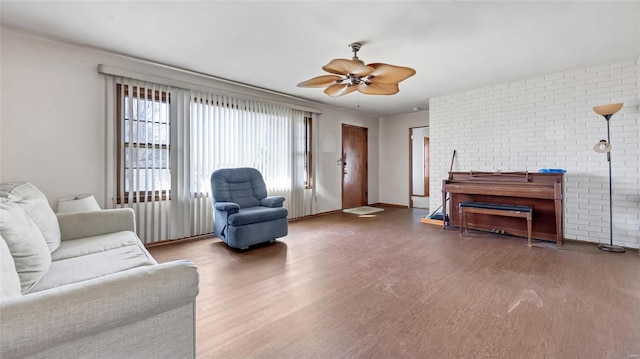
(453, 45)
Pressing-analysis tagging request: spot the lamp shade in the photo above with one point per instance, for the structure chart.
(78, 203)
(602, 147)
(608, 109)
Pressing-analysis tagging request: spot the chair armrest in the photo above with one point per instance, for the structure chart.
(35, 322)
(275, 201)
(87, 224)
(229, 207)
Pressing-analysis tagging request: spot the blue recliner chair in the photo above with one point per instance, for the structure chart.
(244, 215)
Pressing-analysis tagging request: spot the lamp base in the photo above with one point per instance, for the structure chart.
(611, 248)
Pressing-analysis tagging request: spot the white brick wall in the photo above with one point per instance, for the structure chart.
(548, 122)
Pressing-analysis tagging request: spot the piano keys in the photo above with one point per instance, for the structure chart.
(542, 191)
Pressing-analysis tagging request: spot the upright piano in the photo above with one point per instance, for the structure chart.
(542, 191)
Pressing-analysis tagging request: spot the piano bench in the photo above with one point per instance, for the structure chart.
(495, 209)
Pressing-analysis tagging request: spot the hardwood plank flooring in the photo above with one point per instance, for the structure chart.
(388, 286)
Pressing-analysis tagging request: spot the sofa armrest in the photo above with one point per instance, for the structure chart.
(35, 322)
(228, 207)
(87, 224)
(274, 201)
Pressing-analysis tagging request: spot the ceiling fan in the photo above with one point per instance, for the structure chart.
(352, 75)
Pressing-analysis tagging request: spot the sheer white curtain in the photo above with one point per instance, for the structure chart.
(168, 141)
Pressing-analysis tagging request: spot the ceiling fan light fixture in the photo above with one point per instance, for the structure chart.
(352, 75)
(340, 89)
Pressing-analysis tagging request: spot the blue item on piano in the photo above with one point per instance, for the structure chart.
(552, 170)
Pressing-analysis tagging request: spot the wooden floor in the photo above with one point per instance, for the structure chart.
(388, 286)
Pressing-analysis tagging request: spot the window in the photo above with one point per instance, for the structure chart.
(143, 144)
(227, 133)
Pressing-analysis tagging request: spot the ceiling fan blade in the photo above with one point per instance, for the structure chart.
(376, 88)
(345, 67)
(385, 73)
(322, 81)
(340, 89)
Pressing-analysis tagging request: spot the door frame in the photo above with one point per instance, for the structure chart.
(426, 150)
(411, 164)
(365, 156)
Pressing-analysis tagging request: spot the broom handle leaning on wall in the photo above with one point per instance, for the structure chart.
(450, 169)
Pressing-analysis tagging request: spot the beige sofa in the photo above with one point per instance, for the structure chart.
(82, 285)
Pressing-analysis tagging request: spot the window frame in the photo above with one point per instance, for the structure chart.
(122, 196)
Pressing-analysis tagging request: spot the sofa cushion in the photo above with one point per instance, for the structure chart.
(36, 205)
(256, 215)
(9, 279)
(83, 259)
(25, 241)
(84, 246)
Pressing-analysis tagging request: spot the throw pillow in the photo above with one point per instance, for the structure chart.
(9, 279)
(26, 244)
(36, 205)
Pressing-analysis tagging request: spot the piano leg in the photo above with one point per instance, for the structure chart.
(463, 222)
(444, 206)
(557, 199)
(529, 225)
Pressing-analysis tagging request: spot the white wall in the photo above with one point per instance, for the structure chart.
(52, 130)
(52, 113)
(394, 156)
(548, 122)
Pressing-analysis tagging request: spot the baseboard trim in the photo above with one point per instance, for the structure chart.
(315, 215)
(379, 204)
(180, 240)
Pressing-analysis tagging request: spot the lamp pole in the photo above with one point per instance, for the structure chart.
(607, 117)
(607, 111)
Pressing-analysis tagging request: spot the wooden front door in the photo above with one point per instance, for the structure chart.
(354, 167)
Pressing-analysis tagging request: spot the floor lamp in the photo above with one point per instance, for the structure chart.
(604, 146)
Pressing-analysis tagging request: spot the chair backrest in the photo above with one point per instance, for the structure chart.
(243, 186)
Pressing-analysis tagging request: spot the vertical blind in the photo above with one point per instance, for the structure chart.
(230, 132)
(171, 140)
(144, 173)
